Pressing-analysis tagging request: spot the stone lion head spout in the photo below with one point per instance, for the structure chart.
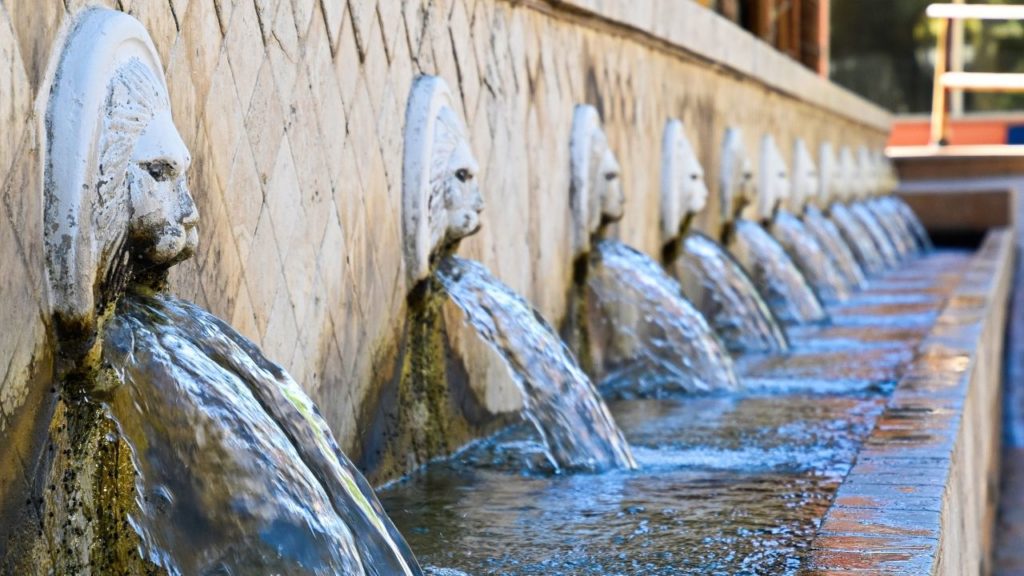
(116, 205)
(595, 194)
(441, 201)
(684, 192)
(736, 176)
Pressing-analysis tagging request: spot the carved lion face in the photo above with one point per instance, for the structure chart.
(736, 179)
(164, 219)
(805, 176)
(455, 200)
(145, 203)
(608, 188)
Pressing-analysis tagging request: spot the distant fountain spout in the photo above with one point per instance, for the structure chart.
(817, 265)
(640, 335)
(776, 276)
(441, 203)
(184, 450)
(710, 277)
(853, 232)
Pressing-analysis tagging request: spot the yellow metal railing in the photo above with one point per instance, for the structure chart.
(967, 81)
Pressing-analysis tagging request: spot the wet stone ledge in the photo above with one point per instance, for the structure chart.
(920, 498)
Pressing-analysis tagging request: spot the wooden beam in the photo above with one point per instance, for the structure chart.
(976, 11)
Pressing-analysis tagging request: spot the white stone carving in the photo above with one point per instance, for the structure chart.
(867, 174)
(828, 175)
(805, 177)
(115, 195)
(772, 179)
(847, 174)
(683, 190)
(736, 176)
(595, 189)
(441, 201)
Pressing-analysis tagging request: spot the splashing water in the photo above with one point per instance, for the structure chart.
(885, 246)
(726, 296)
(858, 239)
(654, 340)
(238, 472)
(777, 278)
(559, 399)
(892, 223)
(807, 253)
(828, 236)
(924, 242)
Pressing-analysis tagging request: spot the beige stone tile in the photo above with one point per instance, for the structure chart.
(391, 27)
(263, 271)
(265, 123)
(243, 199)
(363, 14)
(158, 18)
(347, 61)
(303, 11)
(282, 201)
(281, 336)
(284, 50)
(36, 25)
(243, 318)
(203, 40)
(222, 120)
(244, 45)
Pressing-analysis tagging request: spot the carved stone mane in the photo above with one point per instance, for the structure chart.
(107, 87)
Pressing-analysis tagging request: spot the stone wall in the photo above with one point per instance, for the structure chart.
(921, 497)
(293, 111)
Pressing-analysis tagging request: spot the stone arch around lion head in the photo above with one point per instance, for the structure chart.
(441, 199)
(114, 191)
(595, 189)
(683, 189)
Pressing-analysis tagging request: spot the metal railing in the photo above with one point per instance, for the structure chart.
(966, 81)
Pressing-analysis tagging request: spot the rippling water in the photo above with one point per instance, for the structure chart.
(858, 239)
(831, 240)
(577, 429)
(776, 277)
(646, 337)
(717, 285)
(726, 485)
(238, 473)
(814, 262)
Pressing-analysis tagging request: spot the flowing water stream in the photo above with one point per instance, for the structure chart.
(577, 429)
(924, 242)
(894, 227)
(807, 253)
(858, 239)
(237, 471)
(831, 240)
(775, 275)
(890, 253)
(649, 339)
(717, 285)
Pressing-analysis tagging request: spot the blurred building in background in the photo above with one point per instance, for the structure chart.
(884, 50)
(798, 28)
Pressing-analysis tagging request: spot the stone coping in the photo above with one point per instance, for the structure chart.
(920, 498)
(704, 34)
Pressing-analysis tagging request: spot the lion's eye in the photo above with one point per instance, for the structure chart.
(694, 177)
(159, 170)
(463, 175)
(611, 176)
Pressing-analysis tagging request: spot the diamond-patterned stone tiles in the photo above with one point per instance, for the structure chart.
(294, 113)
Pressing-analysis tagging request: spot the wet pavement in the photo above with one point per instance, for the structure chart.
(727, 484)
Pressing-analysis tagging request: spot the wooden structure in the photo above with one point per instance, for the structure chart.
(946, 80)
